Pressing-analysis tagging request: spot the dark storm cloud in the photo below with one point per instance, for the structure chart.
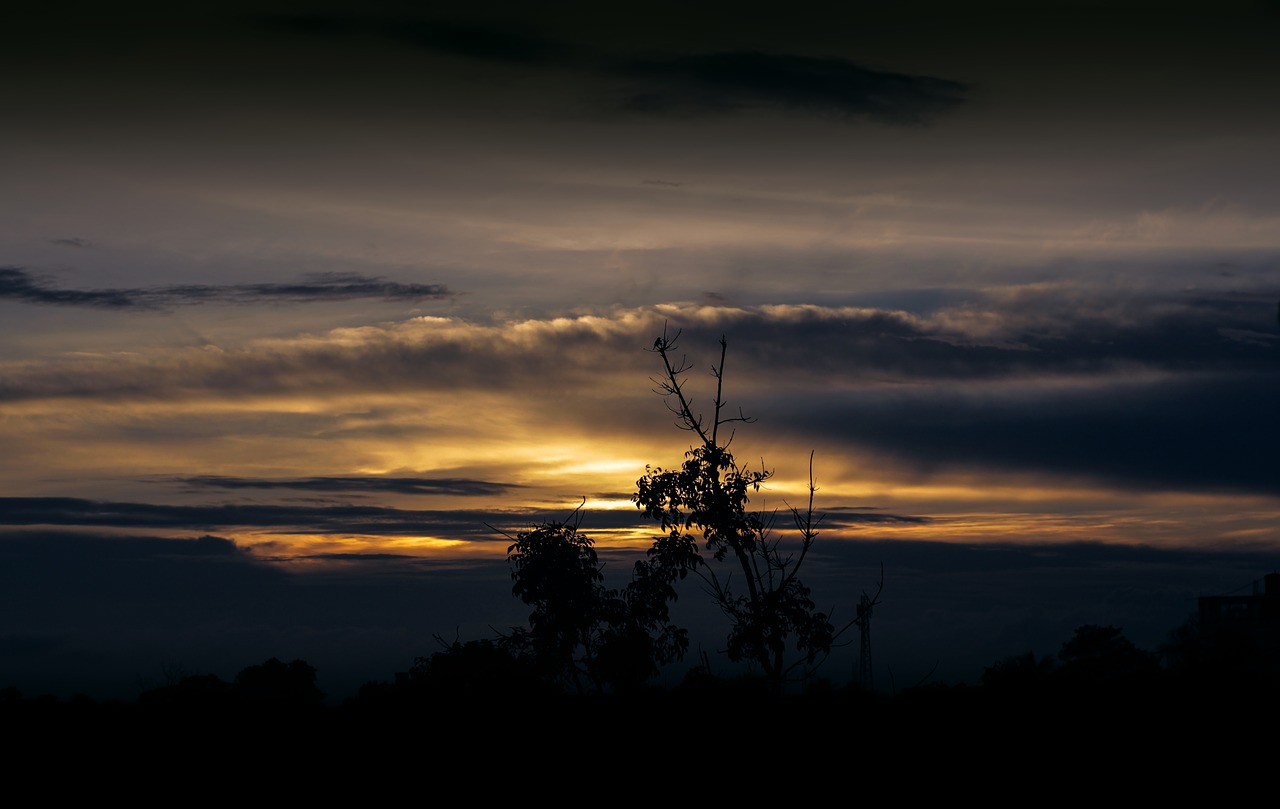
(1141, 394)
(109, 615)
(17, 284)
(75, 558)
(83, 243)
(720, 83)
(669, 84)
(92, 547)
(1200, 433)
(364, 483)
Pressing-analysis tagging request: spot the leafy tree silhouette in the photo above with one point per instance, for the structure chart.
(708, 497)
(1019, 673)
(276, 683)
(481, 668)
(1102, 655)
(583, 636)
(190, 692)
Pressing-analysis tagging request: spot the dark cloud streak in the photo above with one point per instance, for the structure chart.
(470, 525)
(365, 483)
(371, 520)
(715, 83)
(17, 284)
(723, 83)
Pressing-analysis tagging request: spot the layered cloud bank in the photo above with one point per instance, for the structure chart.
(1080, 403)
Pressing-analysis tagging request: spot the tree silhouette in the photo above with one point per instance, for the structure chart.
(583, 636)
(1102, 655)
(1024, 673)
(707, 497)
(476, 671)
(276, 683)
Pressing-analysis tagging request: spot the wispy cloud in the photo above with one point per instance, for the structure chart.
(81, 243)
(18, 284)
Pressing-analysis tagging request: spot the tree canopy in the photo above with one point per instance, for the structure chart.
(710, 530)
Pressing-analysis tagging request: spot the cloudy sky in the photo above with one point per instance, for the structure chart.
(300, 301)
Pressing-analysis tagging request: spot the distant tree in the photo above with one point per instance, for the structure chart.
(1019, 673)
(475, 671)
(1223, 654)
(1101, 656)
(583, 636)
(276, 683)
(191, 692)
(770, 611)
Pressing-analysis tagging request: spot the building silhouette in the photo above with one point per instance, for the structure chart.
(1240, 634)
(1260, 610)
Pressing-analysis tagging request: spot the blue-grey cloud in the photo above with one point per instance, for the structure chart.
(18, 284)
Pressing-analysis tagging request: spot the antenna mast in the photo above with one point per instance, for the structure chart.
(865, 676)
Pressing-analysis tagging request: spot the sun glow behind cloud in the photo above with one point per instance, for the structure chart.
(562, 415)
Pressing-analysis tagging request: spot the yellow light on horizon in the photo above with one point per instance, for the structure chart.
(609, 505)
(300, 546)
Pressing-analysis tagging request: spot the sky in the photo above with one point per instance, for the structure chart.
(307, 307)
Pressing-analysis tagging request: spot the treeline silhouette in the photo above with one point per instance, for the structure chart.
(1097, 667)
(1098, 713)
